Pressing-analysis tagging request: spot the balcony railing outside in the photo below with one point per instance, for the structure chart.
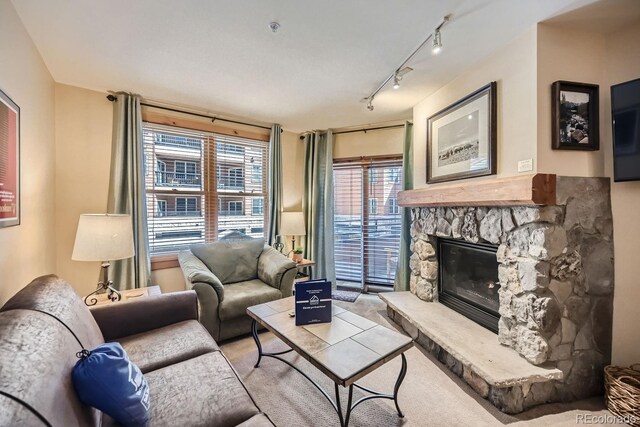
(174, 213)
(178, 179)
(177, 141)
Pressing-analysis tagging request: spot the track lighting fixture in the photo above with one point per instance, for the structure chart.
(400, 71)
(437, 42)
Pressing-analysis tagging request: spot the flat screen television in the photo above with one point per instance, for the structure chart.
(625, 112)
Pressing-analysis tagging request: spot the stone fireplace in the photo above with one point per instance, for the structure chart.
(543, 271)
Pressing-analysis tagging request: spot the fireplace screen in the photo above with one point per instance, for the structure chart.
(468, 280)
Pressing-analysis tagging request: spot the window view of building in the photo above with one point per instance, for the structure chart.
(367, 221)
(201, 186)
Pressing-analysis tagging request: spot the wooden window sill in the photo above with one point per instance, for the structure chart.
(164, 261)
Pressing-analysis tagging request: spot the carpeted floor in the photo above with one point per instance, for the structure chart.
(430, 395)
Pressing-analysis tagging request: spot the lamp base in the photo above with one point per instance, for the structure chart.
(112, 293)
(105, 285)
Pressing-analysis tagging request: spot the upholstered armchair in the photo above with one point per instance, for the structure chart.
(231, 275)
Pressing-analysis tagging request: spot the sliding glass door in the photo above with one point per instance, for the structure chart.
(367, 220)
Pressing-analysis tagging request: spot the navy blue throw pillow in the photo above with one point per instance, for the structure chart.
(107, 380)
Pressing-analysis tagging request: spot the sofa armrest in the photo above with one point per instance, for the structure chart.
(132, 317)
(195, 271)
(273, 268)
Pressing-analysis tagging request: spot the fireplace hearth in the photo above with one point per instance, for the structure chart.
(468, 280)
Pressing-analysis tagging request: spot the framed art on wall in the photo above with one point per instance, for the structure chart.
(462, 138)
(9, 162)
(574, 109)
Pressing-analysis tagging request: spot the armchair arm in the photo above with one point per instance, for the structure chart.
(276, 270)
(144, 314)
(195, 271)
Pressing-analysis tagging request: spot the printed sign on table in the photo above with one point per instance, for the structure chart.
(313, 302)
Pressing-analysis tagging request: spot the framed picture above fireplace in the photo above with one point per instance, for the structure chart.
(461, 139)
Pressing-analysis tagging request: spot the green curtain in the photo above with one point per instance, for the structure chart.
(275, 184)
(401, 282)
(126, 190)
(317, 203)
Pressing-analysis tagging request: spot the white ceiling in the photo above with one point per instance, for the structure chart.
(220, 56)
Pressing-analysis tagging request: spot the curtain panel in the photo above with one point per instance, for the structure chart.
(401, 282)
(275, 183)
(317, 203)
(127, 190)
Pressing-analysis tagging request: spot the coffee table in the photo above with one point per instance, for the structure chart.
(344, 350)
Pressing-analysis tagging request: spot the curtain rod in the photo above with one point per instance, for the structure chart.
(365, 130)
(112, 98)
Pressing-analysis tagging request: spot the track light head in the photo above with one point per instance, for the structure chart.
(437, 42)
(370, 104)
(396, 82)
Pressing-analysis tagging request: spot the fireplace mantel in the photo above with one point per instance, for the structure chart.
(538, 189)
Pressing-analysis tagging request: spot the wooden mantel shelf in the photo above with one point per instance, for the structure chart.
(538, 189)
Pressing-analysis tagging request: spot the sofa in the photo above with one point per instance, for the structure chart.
(191, 383)
(231, 275)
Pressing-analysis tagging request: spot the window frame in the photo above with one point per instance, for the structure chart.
(213, 134)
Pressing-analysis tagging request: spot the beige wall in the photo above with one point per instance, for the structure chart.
(83, 156)
(373, 143)
(292, 171)
(622, 63)
(28, 250)
(576, 56)
(514, 69)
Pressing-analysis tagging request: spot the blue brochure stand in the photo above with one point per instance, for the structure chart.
(313, 302)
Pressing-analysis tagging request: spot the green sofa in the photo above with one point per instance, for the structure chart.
(231, 275)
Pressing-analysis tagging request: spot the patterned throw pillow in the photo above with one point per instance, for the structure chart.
(106, 379)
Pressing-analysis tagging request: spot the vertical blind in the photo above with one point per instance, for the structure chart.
(202, 186)
(367, 221)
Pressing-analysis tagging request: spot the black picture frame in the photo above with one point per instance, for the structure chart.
(487, 140)
(9, 162)
(574, 125)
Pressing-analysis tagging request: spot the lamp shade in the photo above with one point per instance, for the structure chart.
(292, 224)
(103, 237)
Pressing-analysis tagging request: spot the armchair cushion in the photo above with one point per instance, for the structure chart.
(231, 261)
(239, 296)
(272, 266)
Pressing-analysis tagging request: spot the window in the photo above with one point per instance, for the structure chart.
(162, 208)
(394, 208)
(256, 173)
(373, 206)
(257, 207)
(393, 175)
(367, 221)
(197, 187)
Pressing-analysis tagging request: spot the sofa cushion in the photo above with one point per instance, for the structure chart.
(203, 391)
(231, 260)
(239, 296)
(168, 345)
(53, 295)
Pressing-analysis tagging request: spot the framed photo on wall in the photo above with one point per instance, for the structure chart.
(9, 162)
(462, 138)
(574, 109)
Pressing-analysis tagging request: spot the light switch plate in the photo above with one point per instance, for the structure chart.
(525, 165)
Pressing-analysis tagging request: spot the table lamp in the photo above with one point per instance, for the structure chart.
(292, 224)
(105, 238)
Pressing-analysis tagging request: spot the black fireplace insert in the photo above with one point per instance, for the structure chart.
(468, 280)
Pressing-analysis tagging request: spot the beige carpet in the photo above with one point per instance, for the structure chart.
(430, 395)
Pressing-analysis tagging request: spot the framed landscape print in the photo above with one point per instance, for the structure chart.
(9, 162)
(461, 139)
(574, 116)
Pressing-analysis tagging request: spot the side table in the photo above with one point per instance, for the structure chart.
(129, 294)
